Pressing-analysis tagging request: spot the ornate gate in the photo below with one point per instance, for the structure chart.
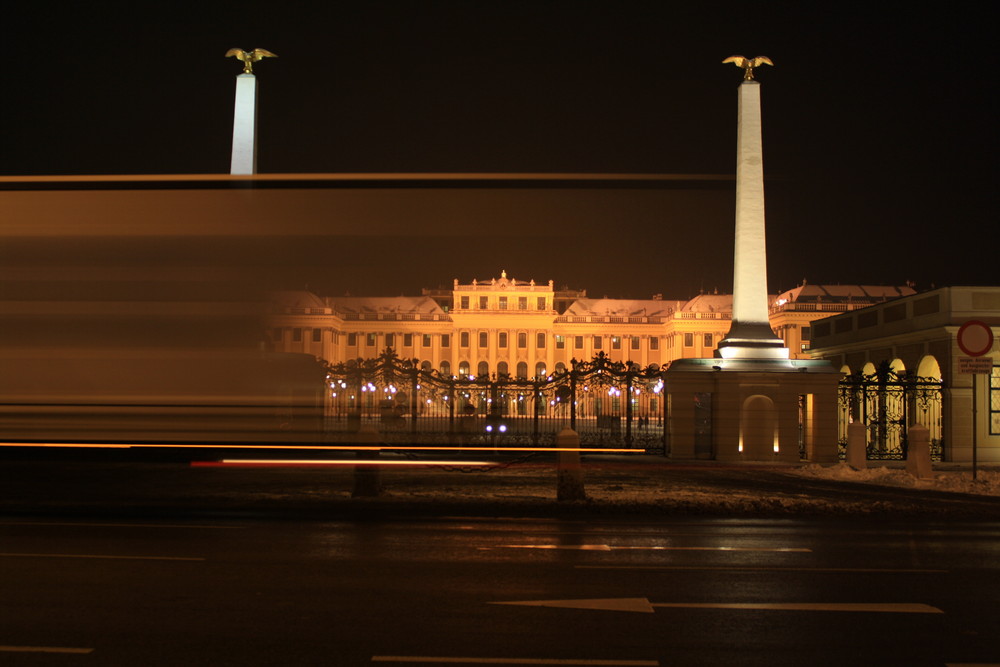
(887, 402)
(610, 404)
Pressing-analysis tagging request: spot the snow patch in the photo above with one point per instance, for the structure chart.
(987, 482)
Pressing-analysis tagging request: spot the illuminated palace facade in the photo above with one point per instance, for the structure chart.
(527, 329)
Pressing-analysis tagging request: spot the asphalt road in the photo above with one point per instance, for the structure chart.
(633, 486)
(498, 591)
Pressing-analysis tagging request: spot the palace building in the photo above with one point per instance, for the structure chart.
(504, 326)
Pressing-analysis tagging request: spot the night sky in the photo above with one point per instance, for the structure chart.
(880, 137)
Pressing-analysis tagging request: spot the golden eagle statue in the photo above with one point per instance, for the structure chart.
(748, 64)
(248, 58)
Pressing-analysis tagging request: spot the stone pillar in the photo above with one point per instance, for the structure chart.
(750, 335)
(244, 159)
(367, 480)
(857, 446)
(918, 452)
(569, 482)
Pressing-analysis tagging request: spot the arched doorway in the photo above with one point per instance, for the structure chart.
(758, 429)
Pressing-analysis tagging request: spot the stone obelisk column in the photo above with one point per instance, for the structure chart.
(245, 126)
(750, 335)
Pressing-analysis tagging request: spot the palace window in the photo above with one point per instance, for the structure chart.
(689, 340)
(484, 339)
(483, 370)
(522, 340)
(465, 303)
(597, 342)
(427, 340)
(541, 303)
(503, 303)
(390, 340)
(463, 339)
(352, 339)
(654, 342)
(445, 340)
(522, 303)
(560, 342)
(540, 341)
(407, 340)
(708, 340)
(635, 343)
(483, 303)
(370, 340)
(502, 339)
(616, 342)
(317, 335)
(297, 335)
(577, 342)
(502, 369)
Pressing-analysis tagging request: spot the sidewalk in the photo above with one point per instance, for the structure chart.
(628, 486)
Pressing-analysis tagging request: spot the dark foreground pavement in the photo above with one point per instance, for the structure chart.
(642, 485)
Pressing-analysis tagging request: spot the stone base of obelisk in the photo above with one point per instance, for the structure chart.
(752, 410)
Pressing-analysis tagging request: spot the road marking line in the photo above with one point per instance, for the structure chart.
(737, 568)
(511, 661)
(100, 556)
(890, 607)
(112, 525)
(605, 547)
(643, 605)
(640, 605)
(43, 649)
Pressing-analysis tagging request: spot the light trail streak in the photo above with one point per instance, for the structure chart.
(348, 448)
(255, 463)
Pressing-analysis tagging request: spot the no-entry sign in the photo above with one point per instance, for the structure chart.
(975, 338)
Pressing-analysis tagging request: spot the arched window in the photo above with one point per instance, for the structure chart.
(540, 370)
(425, 365)
(446, 367)
(483, 370)
(560, 367)
(502, 369)
(463, 369)
(522, 370)
(929, 368)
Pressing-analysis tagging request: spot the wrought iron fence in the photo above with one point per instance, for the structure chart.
(887, 402)
(608, 403)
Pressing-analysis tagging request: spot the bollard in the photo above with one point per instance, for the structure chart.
(857, 454)
(569, 485)
(918, 452)
(367, 480)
